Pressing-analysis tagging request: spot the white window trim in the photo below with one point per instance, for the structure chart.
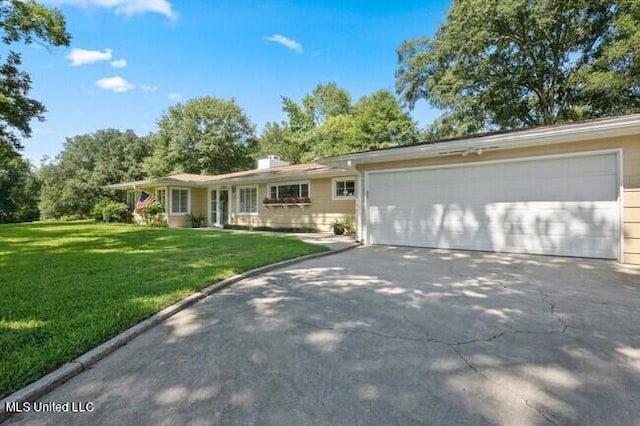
(343, 197)
(171, 212)
(166, 194)
(237, 194)
(295, 182)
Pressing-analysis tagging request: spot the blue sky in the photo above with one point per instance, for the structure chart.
(129, 60)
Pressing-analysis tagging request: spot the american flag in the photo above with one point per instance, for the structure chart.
(145, 200)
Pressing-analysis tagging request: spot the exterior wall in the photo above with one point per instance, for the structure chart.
(630, 146)
(197, 204)
(319, 214)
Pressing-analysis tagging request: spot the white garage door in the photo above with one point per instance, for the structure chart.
(561, 206)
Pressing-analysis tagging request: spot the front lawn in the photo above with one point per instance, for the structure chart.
(66, 287)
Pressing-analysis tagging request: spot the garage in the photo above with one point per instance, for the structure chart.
(567, 205)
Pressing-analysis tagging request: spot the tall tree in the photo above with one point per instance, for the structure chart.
(205, 135)
(381, 122)
(520, 63)
(75, 181)
(375, 121)
(326, 101)
(24, 21)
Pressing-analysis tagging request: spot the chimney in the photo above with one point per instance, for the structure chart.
(271, 161)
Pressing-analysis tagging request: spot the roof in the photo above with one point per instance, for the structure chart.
(291, 171)
(504, 139)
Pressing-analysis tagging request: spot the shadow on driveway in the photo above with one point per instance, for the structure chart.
(385, 335)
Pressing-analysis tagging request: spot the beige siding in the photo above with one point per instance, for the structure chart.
(322, 211)
(198, 204)
(630, 146)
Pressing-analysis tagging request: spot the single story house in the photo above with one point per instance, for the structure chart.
(568, 190)
(276, 194)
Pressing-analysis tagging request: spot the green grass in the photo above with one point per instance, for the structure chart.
(66, 287)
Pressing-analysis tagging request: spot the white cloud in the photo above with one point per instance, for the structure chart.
(287, 42)
(119, 63)
(82, 56)
(148, 88)
(125, 7)
(115, 84)
(175, 97)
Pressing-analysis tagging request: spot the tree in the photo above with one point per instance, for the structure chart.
(326, 101)
(277, 139)
(29, 22)
(19, 188)
(521, 63)
(382, 123)
(75, 182)
(205, 135)
(327, 124)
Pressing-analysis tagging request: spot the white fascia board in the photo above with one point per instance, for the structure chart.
(152, 183)
(568, 133)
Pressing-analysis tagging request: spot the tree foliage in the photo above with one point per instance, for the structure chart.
(520, 63)
(26, 22)
(205, 135)
(326, 123)
(75, 182)
(19, 188)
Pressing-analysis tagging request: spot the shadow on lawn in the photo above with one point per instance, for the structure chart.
(393, 336)
(64, 288)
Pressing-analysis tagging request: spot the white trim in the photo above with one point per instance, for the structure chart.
(621, 205)
(617, 151)
(288, 182)
(506, 160)
(360, 224)
(238, 212)
(179, 188)
(335, 197)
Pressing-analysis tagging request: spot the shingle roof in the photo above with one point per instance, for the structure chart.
(190, 178)
(273, 171)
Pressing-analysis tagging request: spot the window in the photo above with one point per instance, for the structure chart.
(289, 190)
(248, 200)
(131, 200)
(344, 188)
(161, 198)
(179, 201)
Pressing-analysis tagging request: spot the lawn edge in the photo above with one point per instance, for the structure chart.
(49, 382)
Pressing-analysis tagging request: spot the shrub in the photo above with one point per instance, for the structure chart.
(196, 220)
(111, 211)
(96, 212)
(151, 213)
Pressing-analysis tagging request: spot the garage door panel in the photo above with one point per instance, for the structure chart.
(557, 214)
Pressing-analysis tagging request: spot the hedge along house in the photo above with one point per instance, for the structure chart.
(569, 190)
(276, 194)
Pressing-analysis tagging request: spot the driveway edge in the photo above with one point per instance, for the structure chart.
(57, 377)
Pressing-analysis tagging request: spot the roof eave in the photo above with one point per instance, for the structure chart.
(535, 137)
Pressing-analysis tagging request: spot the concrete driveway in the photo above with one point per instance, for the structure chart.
(384, 335)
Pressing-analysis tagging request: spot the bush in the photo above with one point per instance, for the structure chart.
(111, 211)
(196, 220)
(151, 213)
(96, 212)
